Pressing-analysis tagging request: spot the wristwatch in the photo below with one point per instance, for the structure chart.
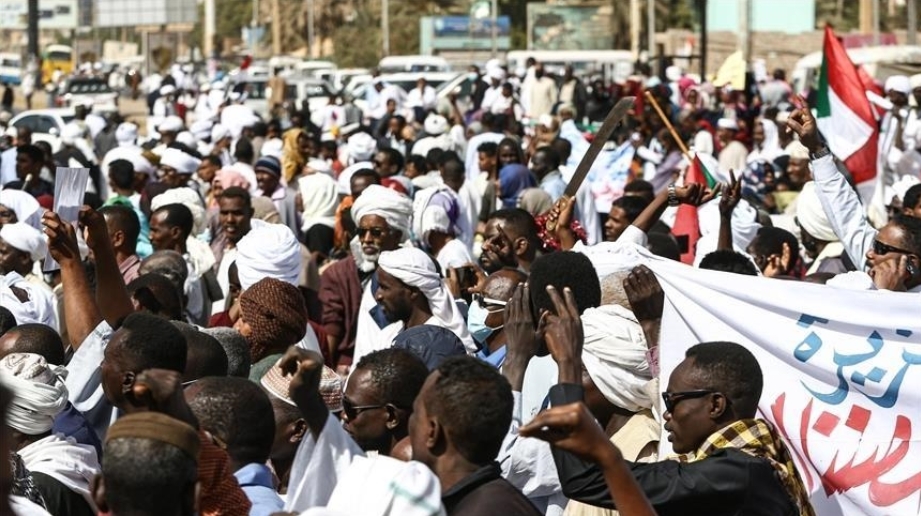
(821, 153)
(672, 196)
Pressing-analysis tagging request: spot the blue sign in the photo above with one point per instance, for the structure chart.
(465, 27)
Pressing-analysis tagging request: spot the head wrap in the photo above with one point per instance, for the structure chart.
(155, 426)
(277, 383)
(202, 129)
(188, 139)
(276, 313)
(899, 83)
(436, 125)
(228, 177)
(361, 146)
(182, 162)
(219, 132)
(39, 308)
(614, 355)
(170, 124)
(728, 123)
(168, 89)
(268, 164)
(797, 150)
(319, 166)
(416, 269)
(268, 251)
(272, 147)
(435, 209)
(25, 206)
(25, 238)
(811, 215)
(535, 201)
(320, 196)
(126, 133)
(770, 147)
(513, 179)
(264, 210)
(392, 206)
(292, 159)
(38, 390)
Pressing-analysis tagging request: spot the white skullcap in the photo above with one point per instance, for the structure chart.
(728, 123)
(70, 133)
(170, 124)
(201, 129)
(182, 162)
(496, 73)
(614, 354)
(797, 150)
(169, 89)
(436, 125)
(319, 166)
(25, 238)
(361, 146)
(899, 83)
(25, 207)
(219, 132)
(415, 268)
(388, 204)
(38, 392)
(188, 139)
(274, 147)
(673, 73)
(5, 117)
(268, 251)
(811, 216)
(126, 132)
(377, 80)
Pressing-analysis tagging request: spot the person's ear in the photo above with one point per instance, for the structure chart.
(394, 415)
(98, 491)
(128, 382)
(436, 438)
(719, 404)
(118, 238)
(520, 246)
(299, 429)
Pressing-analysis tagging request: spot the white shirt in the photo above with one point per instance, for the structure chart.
(8, 166)
(424, 98)
(471, 161)
(843, 208)
(454, 254)
(377, 107)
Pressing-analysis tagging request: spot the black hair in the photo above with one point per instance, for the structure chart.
(368, 174)
(204, 354)
(397, 374)
(393, 157)
(239, 358)
(453, 172)
(664, 245)
(153, 342)
(552, 157)
(912, 228)
(92, 199)
(433, 157)
(121, 172)
(770, 240)
(564, 269)
(124, 219)
(7, 321)
(519, 223)
(912, 197)
(729, 261)
(244, 151)
(178, 215)
(732, 370)
(639, 186)
(632, 205)
(514, 144)
(239, 413)
(146, 476)
(329, 145)
(157, 294)
(214, 160)
(419, 162)
(39, 339)
(563, 148)
(491, 149)
(473, 402)
(33, 152)
(236, 192)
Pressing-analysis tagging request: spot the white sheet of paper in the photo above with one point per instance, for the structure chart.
(69, 189)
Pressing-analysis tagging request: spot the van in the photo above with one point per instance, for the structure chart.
(880, 62)
(397, 64)
(611, 65)
(10, 68)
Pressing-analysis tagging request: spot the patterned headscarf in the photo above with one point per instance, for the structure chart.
(276, 313)
(23, 485)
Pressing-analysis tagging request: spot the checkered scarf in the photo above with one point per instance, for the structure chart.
(756, 437)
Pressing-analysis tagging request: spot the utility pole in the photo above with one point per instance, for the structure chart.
(745, 33)
(876, 22)
(635, 22)
(276, 28)
(651, 34)
(311, 34)
(495, 28)
(253, 25)
(912, 38)
(703, 39)
(385, 27)
(209, 29)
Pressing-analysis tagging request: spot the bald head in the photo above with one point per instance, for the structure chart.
(501, 284)
(34, 338)
(170, 264)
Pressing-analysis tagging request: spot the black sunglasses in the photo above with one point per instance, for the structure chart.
(881, 249)
(375, 232)
(351, 411)
(671, 399)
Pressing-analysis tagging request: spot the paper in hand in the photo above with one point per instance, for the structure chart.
(69, 189)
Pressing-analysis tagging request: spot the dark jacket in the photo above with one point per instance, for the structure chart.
(486, 492)
(727, 483)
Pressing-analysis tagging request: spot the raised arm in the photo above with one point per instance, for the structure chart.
(728, 202)
(111, 296)
(694, 194)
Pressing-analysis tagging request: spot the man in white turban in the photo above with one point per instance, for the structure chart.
(21, 246)
(347, 287)
(818, 236)
(62, 470)
(177, 167)
(23, 207)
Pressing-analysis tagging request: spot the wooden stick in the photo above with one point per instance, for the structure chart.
(668, 125)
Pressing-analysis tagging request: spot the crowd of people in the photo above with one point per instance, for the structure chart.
(402, 316)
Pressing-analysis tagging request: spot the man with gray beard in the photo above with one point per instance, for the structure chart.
(347, 287)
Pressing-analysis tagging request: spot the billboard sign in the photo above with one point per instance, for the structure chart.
(128, 13)
(566, 27)
(52, 14)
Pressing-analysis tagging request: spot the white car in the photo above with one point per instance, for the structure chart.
(88, 91)
(405, 81)
(46, 124)
(315, 91)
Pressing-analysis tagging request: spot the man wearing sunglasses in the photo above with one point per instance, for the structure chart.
(486, 316)
(892, 255)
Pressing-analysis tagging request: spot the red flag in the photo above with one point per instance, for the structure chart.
(687, 225)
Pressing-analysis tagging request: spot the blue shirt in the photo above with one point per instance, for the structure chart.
(257, 482)
(554, 185)
(495, 358)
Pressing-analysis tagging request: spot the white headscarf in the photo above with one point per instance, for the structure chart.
(744, 227)
(391, 205)
(770, 147)
(39, 308)
(614, 355)
(25, 207)
(811, 216)
(38, 390)
(25, 238)
(416, 269)
(268, 251)
(320, 195)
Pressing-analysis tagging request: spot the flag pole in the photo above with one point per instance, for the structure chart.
(668, 125)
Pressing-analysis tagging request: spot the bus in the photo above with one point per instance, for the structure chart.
(612, 65)
(10, 68)
(57, 57)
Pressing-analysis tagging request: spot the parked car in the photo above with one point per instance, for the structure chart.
(405, 81)
(46, 124)
(88, 91)
(315, 91)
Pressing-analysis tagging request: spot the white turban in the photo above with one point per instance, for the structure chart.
(188, 139)
(268, 251)
(170, 124)
(614, 355)
(169, 89)
(219, 132)
(797, 150)
(899, 83)
(38, 389)
(126, 133)
(38, 308)
(361, 146)
(345, 177)
(436, 125)
(25, 238)
(201, 129)
(728, 123)
(811, 216)
(319, 166)
(70, 133)
(182, 162)
(320, 196)
(25, 207)
(417, 269)
(391, 205)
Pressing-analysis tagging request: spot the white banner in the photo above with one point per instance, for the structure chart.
(842, 376)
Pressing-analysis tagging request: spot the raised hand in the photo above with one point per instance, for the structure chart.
(732, 194)
(95, 231)
(522, 338)
(562, 331)
(696, 194)
(306, 367)
(645, 294)
(571, 428)
(804, 125)
(62, 239)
